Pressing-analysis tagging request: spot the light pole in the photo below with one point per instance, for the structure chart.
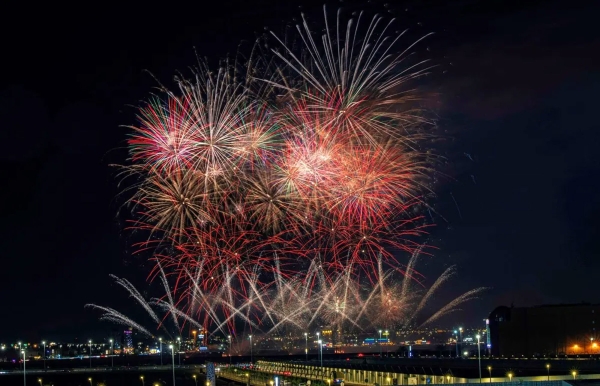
(460, 329)
(306, 346)
(172, 347)
(229, 339)
(319, 351)
(510, 376)
(387, 341)
(195, 380)
(40, 381)
(548, 370)
(456, 335)
(574, 373)
(490, 371)
(179, 351)
(20, 350)
(321, 354)
(379, 343)
(90, 380)
(24, 369)
(44, 344)
(112, 353)
(250, 336)
(142, 379)
(160, 351)
(90, 342)
(479, 354)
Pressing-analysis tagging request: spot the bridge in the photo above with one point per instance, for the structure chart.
(369, 375)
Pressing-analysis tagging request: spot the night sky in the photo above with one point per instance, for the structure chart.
(515, 86)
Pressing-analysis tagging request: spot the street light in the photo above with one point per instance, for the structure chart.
(24, 369)
(456, 335)
(40, 381)
(574, 373)
(44, 344)
(229, 339)
(90, 380)
(318, 351)
(460, 330)
(510, 376)
(490, 371)
(387, 341)
(479, 354)
(380, 343)
(321, 354)
(172, 347)
(306, 345)
(112, 353)
(90, 353)
(548, 369)
(160, 351)
(142, 379)
(179, 351)
(20, 350)
(195, 380)
(250, 336)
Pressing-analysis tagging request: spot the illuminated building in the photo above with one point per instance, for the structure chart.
(544, 330)
(488, 343)
(128, 340)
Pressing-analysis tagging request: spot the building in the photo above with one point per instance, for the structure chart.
(128, 340)
(544, 330)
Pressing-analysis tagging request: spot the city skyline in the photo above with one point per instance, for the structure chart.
(118, 336)
(516, 212)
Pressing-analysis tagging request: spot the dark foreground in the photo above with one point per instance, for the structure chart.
(183, 377)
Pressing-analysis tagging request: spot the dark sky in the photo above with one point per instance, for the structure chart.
(516, 83)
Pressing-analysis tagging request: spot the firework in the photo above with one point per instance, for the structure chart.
(275, 195)
(299, 303)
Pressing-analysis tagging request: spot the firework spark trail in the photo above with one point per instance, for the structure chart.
(410, 269)
(448, 273)
(452, 306)
(168, 293)
(134, 293)
(456, 204)
(201, 300)
(114, 316)
(176, 313)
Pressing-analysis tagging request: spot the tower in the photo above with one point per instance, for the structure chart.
(128, 340)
